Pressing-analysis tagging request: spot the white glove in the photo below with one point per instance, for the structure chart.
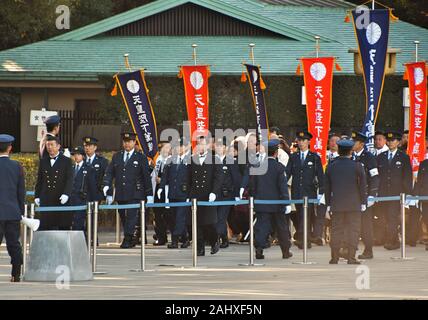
(287, 209)
(105, 189)
(328, 213)
(212, 197)
(109, 200)
(150, 199)
(37, 202)
(187, 200)
(241, 193)
(321, 199)
(417, 203)
(370, 201)
(67, 153)
(167, 201)
(159, 193)
(64, 199)
(363, 207)
(237, 199)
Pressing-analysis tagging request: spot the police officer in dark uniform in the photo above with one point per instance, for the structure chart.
(12, 199)
(98, 163)
(229, 188)
(346, 198)
(395, 174)
(129, 170)
(271, 186)
(305, 168)
(53, 124)
(176, 179)
(421, 189)
(53, 187)
(84, 187)
(368, 160)
(205, 185)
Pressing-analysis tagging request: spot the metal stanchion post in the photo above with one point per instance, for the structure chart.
(32, 215)
(142, 235)
(24, 242)
(95, 240)
(305, 232)
(251, 225)
(403, 229)
(194, 234)
(88, 227)
(117, 227)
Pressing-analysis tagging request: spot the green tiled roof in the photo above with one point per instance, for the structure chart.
(85, 53)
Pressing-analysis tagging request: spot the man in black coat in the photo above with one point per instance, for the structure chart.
(346, 198)
(271, 186)
(53, 187)
(12, 199)
(305, 168)
(97, 162)
(205, 185)
(53, 125)
(84, 187)
(368, 160)
(395, 173)
(129, 172)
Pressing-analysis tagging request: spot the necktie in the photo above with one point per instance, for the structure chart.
(390, 157)
(88, 161)
(126, 158)
(302, 158)
(76, 170)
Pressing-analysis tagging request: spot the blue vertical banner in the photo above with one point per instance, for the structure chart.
(372, 30)
(137, 102)
(257, 86)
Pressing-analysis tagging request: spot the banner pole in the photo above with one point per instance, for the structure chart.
(317, 46)
(252, 45)
(89, 228)
(373, 4)
(128, 66)
(416, 42)
(194, 56)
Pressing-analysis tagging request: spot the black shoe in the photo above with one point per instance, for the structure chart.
(173, 245)
(259, 254)
(201, 252)
(334, 256)
(185, 244)
(159, 243)
(351, 257)
(127, 243)
(16, 273)
(299, 244)
(286, 253)
(317, 241)
(215, 248)
(366, 255)
(224, 242)
(334, 261)
(392, 246)
(426, 247)
(353, 261)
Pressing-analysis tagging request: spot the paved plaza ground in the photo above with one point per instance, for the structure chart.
(221, 277)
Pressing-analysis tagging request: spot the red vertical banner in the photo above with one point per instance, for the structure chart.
(195, 80)
(417, 77)
(318, 77)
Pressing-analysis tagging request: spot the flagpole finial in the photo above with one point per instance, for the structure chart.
(194, 46)
(252, 45)
(127, 65)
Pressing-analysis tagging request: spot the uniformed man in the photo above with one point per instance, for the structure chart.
(53, 187)
(421, 189)
(12, 199)
(346, 198)
(395, 173)
(305, 168)
(97, 162)
(368, 160)
(163, 220)
(332, 152)
(129, 173)
(229, 188)
(271, 186)
(84, 187)
(380, 142)
(205, 185)
(53, 124)
(176, 179)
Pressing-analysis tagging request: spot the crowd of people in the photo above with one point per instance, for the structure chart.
(211, 169)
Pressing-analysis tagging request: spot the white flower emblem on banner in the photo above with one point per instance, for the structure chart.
(255, 76)
(419, 76)
(318, 71)
(373, 33)
(133, 86)
(196, 79)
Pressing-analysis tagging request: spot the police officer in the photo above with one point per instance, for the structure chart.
(53, 124)
(421, 189)
(229, 188)
(54, 185)
(205, 185)
(129, 170)
(368, 160)
(395, 173)
(305, 168)
(12, 199)
(98, 163)
(176, 182)
(346, 198)
(84, 186)
(271, 186)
